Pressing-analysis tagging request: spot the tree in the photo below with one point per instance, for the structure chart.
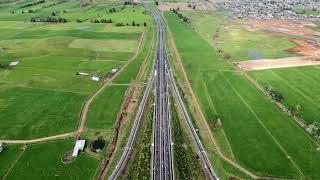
(144, 24)
(133, 23)
(53, 14)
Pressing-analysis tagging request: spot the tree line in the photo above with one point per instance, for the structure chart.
(183, 18)
(49, 19)
(33, 4)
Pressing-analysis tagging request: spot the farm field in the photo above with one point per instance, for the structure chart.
(236, 41)
(42, 95)
(298, 86)
(8, 157)
(104, 110)
(259, 135)
(45, 160)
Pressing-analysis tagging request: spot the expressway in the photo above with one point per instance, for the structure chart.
(162, 159)
(162, 153)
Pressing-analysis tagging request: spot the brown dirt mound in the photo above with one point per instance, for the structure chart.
(306, 47)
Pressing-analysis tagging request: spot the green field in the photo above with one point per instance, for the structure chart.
(8, 157)
(43, 161)
(42, 95)
(236, 41)
(104, 110)
(261, 137)
(298, 86)
(307, 11)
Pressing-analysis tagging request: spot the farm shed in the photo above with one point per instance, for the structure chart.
(94, 78)
(77, 147)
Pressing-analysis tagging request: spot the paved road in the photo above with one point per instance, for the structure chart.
(162, 156)
(162, 160)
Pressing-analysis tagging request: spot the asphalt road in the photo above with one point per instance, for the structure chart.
(162, 155)
(162, 160)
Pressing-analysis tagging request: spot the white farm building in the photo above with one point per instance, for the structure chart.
(77, 147)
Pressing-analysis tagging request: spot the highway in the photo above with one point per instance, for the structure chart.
(162, 156)
(162, 152)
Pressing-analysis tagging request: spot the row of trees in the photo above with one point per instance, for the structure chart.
(183, 18)
(192, 6)
(132, 24)
(112, 10)
(277, 96)
(48, 19)
(101, 21)
(33, 4)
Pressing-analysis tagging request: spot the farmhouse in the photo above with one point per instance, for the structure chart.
(77, 147)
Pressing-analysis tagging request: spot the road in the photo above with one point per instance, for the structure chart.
(162, 158)
(162, 155)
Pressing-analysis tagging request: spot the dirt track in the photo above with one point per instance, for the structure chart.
(263, 64)
(56, 137)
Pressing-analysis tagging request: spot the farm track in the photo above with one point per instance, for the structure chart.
(85, 109)
(201, 116)
(50, 138)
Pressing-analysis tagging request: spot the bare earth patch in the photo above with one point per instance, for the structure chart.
(263, 64)
(289, 27)
(307, 44)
